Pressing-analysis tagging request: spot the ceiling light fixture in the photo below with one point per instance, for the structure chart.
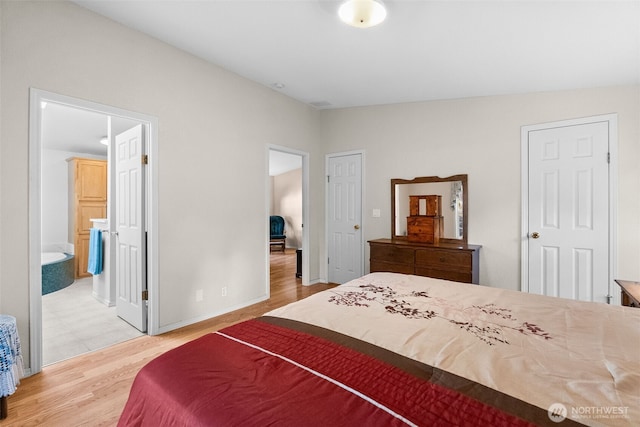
(104, 140)
(362, 13)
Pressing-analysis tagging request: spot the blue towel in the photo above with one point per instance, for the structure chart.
(95, 252)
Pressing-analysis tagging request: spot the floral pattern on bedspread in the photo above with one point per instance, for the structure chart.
(580, 354)
(486, 322)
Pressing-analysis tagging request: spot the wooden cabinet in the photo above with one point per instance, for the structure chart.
(424, 223)
(424, 229)
(457, 262)
(87, 199)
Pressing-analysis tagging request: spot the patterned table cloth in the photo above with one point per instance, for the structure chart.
(11, 367)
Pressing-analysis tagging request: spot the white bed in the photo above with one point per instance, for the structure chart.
(392, 349)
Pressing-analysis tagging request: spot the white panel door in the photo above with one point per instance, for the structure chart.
(345, 218)
(568, 233)
(130, 239)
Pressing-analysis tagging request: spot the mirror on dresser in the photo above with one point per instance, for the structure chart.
(429, 224)
(454, 202)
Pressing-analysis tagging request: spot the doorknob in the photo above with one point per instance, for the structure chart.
(356, 227)
(535, 235)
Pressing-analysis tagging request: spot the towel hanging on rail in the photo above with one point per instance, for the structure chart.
(95, 252)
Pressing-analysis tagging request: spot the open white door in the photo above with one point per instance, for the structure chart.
(568, 216)
(345, 218)
(130, 239)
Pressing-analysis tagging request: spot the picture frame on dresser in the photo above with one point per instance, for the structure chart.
(448, 255)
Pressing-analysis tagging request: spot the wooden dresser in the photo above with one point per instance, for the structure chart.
(87, 199)
(457, 262)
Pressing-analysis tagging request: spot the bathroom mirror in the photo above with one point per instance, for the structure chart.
(454, 192)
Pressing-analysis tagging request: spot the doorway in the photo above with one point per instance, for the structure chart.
(78, 313)
(568, 222)
(288, 186)
(115, 120)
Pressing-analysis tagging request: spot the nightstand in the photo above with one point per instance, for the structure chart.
(630, 292)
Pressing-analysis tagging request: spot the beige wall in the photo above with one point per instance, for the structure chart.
(214, 128)
(481, 137)
(287, 202)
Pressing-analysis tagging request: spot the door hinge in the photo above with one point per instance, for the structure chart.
(328, 178)
(145, 295)
(145, 159)
(609, 298)
(608, 157)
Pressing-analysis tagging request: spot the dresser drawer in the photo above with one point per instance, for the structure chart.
(391, 267)
(455, 276)
(449, 261)
(443, 259)
(393, 254)
(423, 229)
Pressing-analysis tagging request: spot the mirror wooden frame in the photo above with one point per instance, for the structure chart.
(427, 179)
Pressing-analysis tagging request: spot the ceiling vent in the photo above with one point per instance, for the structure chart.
(320, 104)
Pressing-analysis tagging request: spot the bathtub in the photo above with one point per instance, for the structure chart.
(57, 271)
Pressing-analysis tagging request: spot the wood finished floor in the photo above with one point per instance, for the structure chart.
(91, 390)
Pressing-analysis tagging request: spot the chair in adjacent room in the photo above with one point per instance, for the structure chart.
(277, 237)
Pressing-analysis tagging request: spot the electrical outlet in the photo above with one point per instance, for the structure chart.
(199, 295)
(224, 291)
(376, 213)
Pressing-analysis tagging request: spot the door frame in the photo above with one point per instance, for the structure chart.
(305, 213)
(36, 97)
(327, 187)
(612, 121)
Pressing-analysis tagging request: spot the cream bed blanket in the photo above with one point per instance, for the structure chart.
(576, 359)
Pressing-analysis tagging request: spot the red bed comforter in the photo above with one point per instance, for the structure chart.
(279, 372)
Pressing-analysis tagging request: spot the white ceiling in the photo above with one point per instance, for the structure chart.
(77, 130)
(280, 162)
(73, 130)
(425, 50)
